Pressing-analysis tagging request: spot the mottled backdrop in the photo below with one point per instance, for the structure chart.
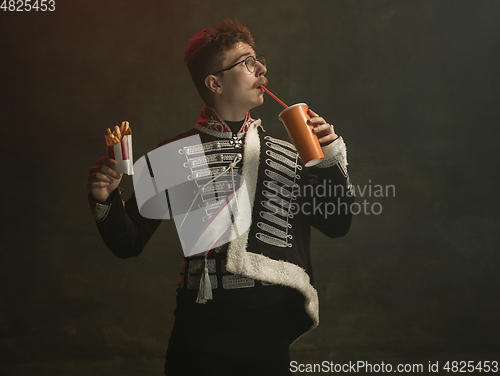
(412, 86)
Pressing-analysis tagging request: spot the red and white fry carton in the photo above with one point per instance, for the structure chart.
(122, 153)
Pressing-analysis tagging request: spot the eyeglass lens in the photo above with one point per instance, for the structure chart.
(251, 62)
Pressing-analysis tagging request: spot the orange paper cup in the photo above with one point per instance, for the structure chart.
(306, 142)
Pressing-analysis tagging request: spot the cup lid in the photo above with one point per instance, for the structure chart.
(292, 106)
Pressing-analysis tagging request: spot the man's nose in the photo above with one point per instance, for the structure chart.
(260, 69)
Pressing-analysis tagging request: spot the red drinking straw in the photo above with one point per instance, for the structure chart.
(274, 96)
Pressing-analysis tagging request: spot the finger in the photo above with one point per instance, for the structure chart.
(98, 177)
(327, 139)
(107, 161)
(110, 162)
(323, 130)
(101, 176)
(316, 120)
(97, 184)
(311, 113)
(110, 172)
(94, 169)
(324, 140)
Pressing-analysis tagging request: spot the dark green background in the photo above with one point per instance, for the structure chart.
(412, 86)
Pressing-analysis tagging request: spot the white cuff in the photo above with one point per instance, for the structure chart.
(100, 211)
(335, 153)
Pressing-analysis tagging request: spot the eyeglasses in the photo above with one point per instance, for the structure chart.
(250, 62)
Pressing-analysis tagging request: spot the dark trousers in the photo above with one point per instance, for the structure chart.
(240, 332)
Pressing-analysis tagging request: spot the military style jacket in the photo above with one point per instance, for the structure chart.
(283, 200)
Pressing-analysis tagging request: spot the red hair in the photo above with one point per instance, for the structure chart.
(205, 53)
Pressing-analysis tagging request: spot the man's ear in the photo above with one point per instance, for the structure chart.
(213, 84)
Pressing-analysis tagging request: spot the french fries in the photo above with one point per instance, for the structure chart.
(113, 138)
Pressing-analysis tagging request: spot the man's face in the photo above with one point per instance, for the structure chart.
(239, 87)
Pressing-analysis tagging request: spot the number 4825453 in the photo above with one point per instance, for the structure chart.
(28, 5)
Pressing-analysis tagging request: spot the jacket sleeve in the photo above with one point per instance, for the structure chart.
(332, 193)
(124, 230)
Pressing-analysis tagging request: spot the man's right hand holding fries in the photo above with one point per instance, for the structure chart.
(103, 179)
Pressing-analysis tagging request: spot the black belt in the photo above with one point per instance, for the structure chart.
(193, 267)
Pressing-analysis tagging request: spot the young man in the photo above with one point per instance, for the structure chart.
(260, 295)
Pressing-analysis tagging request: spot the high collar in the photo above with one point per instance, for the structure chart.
(211, 123)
